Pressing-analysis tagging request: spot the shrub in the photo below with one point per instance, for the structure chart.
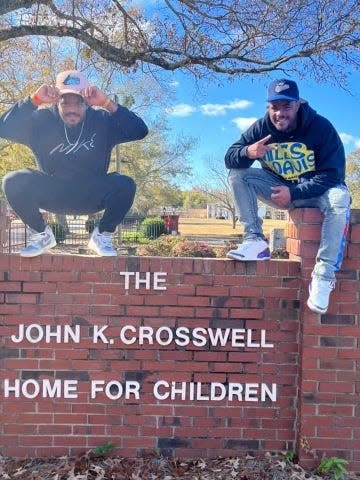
(223, 250)
(290, 457)
(59, 231)
(193, 249)
(161, 247)
(333, 466)
(152, 227)
(133, 237)
(102, 450)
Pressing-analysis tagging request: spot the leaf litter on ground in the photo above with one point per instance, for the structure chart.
(155, 467)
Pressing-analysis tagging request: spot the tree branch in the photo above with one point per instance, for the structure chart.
(202, 36)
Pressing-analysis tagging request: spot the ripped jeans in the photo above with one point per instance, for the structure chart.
(250, 184)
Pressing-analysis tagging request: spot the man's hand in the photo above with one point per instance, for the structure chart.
(258, 149)
(45, 94)
(281, 196)
(93, 96)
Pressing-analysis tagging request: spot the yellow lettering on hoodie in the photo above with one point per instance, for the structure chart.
(290, 159)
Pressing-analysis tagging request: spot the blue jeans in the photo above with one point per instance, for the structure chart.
(250, 184)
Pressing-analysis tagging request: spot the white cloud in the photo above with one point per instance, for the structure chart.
(181, 110)
(208, 109)
(243, 123)
(212, 109)
(350, 140)
(239, 104)
(215, 109)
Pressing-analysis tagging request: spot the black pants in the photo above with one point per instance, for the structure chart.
(28, 191)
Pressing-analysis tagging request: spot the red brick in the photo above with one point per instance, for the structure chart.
(175, 311)
(355, 234)
(214, 293)
(10, 286)
(211, 291)
(308, 233)
(305, 215)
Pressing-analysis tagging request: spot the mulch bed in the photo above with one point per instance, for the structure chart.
(91, 467)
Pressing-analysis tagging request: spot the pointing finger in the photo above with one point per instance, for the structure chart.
(264, 140)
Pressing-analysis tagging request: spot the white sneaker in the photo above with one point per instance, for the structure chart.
(319, 290)
(39, 243)
(101, 243)
(256, 249)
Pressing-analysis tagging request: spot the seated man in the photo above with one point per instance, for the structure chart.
(72, 143)
(303, 165)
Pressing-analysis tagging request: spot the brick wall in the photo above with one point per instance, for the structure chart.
(329, 379)
(289, 381)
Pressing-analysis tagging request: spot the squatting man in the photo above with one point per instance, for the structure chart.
(72, 143)
(303, 165)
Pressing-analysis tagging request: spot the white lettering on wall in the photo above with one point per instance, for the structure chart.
(98, 334)
(241, 392)
(147, 280)
(143, 335)
(130, 390)
(198, 336)
(45, 388)
(146, 335)
(115, 390)
(35, 333)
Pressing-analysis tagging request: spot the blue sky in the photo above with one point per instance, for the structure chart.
(217, 114)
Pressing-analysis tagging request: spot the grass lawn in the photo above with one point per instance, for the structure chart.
(212, 226)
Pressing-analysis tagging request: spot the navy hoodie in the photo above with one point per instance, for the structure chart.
(74, 153)
(311, 159)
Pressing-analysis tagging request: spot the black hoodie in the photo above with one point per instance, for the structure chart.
(43, 130)
(310, 159)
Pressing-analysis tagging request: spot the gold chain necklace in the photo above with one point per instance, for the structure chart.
(77, 140)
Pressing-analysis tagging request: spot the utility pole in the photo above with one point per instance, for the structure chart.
(118, 169)
(117, 148)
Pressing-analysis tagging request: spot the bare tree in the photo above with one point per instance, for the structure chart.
(233, 37)
(158, 164)
(216, 187)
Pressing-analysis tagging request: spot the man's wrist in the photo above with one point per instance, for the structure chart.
(109, 105)
(35, 100)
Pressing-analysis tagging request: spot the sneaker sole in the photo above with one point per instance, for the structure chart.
(242, 259)
(93, 247)
(315, 308)
(31, 255)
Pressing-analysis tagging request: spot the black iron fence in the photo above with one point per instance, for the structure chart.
(72, 231)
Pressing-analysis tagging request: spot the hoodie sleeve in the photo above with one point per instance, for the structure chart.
(125, 126)
(236, 156)
(329, 163)
(16, 124)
